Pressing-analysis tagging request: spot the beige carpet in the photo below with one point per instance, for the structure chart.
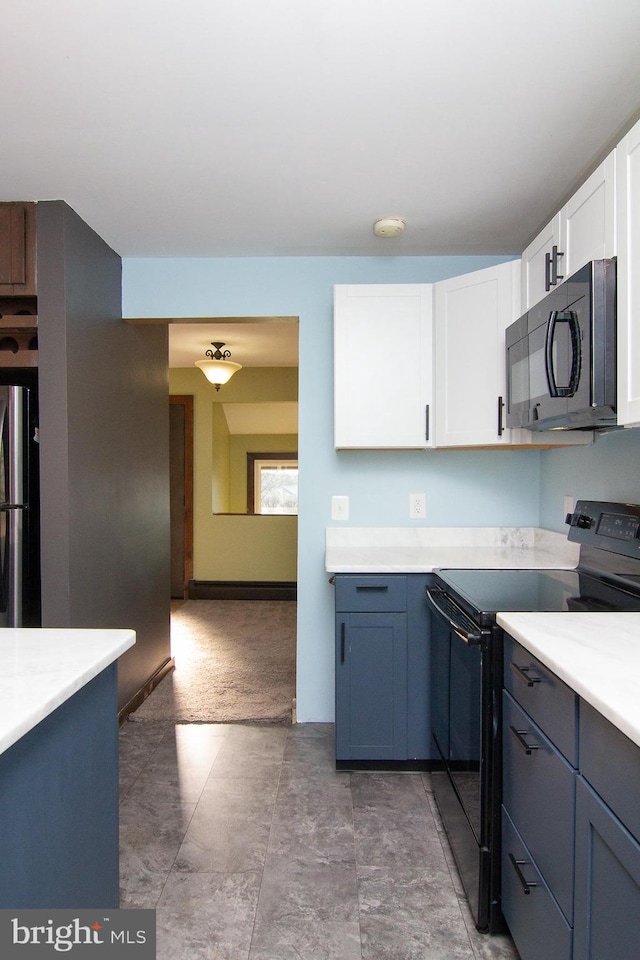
(235, 661)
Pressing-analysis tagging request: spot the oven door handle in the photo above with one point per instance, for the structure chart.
(458, 621)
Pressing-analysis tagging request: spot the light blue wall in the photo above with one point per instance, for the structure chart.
(468, 488)
(608, 470)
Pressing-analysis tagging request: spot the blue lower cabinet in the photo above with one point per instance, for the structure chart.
(537, 924)
(371, 686)
(539, 795)
(59, 806)
(382, 668)
(607, 882)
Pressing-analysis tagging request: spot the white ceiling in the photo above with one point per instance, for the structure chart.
(253, 342)
(197, 128)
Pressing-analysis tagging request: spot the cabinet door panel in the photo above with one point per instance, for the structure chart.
(383, 366)
(17, 249)
(533, 263)
(371, 686)
(607, 883)
(588, 220)
(471, 314)
(628, 248)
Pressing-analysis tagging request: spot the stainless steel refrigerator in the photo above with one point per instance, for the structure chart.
(19, 506)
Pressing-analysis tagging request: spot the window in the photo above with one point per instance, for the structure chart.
(272, 483)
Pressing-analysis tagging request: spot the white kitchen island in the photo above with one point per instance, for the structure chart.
(59, 767)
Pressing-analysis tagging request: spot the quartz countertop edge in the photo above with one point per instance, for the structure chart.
(42, 668)
(424, 549)
(596, 654)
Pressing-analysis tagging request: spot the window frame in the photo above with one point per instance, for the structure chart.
(252, 458)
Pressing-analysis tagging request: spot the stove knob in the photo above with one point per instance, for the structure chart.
(584, 522)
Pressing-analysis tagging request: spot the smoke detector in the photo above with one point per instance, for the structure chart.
(389, 227)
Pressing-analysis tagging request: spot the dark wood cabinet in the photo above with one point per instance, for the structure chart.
(17, 249)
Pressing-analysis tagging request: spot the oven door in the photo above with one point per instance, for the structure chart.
(462, 728)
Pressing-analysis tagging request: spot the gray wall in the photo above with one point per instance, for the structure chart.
(104, 449)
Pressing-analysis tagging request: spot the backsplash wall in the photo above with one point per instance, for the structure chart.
(607, 470)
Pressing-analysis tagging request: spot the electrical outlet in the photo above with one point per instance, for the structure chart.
(417, 506)
(569, 505)
(339, 508)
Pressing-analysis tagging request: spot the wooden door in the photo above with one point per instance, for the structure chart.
(181, 493)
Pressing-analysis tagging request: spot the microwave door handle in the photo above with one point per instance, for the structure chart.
(563, 316)
(576, 353)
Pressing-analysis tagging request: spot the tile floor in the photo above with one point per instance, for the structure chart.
(252, 847)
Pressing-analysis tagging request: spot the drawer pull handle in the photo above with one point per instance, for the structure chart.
(372, 586)
(523, 674)
(520, 737)
(525, 884)
(342, 638)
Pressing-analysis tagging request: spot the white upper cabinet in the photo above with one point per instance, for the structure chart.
(471, 314)
(628, 276)
(537, 261)
(383, 366)
(583, 230)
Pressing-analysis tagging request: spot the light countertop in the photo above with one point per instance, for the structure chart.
(423, 549)
(41, 668)
(596, 654)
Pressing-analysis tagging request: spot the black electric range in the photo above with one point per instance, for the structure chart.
(467, 667)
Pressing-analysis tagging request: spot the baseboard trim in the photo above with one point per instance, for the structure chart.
(138, 698)
(390, 765)
(242, 590)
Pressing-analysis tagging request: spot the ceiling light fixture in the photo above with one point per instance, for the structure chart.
(389, 227)
(218, 369)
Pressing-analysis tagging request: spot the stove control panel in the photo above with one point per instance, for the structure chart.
(618, 526)
(609, 526)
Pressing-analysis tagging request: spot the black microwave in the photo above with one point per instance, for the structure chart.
(561, 355)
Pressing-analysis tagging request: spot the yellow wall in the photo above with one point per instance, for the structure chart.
(234, 547)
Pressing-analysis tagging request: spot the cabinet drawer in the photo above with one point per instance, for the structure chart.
(539, 795)
(371, 593)
(610, 761)
(536, 924)
(547, 700)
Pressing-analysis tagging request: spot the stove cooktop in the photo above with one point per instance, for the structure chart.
(606, 579)
(487, 592)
